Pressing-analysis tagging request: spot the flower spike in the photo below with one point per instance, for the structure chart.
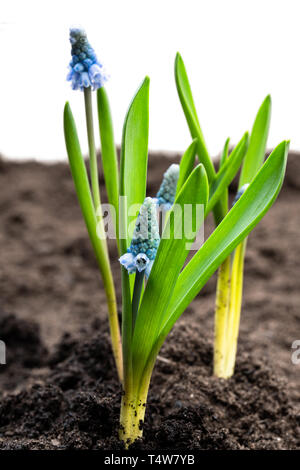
(84, 69)
(145, 240)
(167, 191)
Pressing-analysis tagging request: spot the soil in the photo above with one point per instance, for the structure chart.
(58, 389)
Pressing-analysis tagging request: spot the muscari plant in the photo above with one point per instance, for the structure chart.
(230, 272)
(86, 73)
(157, 282)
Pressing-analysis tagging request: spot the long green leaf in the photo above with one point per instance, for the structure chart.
(82, 186)
(108, 151)
(240, 220)
(227, 172)
(224, 197)
(171, 255)
(134, 156)
(224, 154)
(187, 163)
(189, 109)
(133, 175)
(257, 144)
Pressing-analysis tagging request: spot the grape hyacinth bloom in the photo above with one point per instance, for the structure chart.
(240, 193)
(84, 69)
(167, 191)
(145, 240)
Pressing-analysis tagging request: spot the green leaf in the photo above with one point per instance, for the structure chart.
(189, 109)
(225, 151)
(187, 163)
(227, 172)
(133, 175)
(257, 145)
(108, 151)
(82, 187)
(134, 156)
(224, 197)
(171, 255)
(240, 220)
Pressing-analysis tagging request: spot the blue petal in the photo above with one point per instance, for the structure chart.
(79, 67)
(240, 193)
(85, 80)
(127, 260)
(141, 262)
(70, 74)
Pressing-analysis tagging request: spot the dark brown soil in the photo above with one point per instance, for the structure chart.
(59, 388)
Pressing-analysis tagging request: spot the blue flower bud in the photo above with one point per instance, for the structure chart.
(79, 67)
(240, 193)
(127, 260)
(145, 240)
(85, 69)
(167, 191)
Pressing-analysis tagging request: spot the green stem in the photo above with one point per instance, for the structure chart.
(138, 286)
(92, 147)
(105, 265)
(113, 320)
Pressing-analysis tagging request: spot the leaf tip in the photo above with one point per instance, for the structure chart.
(178, 59)
(246, 137)
(146, 81)
(67, 111)
(268, 99)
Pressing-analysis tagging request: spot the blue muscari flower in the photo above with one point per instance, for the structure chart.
(84, 69)
(167, 191)
(145, 240)
(240, 193)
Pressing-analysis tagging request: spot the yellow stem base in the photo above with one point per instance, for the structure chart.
(228, 312)
(131, 419)
(221, 318)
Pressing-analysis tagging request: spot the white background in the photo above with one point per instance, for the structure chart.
(235, 51)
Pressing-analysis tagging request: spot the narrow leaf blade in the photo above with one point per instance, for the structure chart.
(227, 172)
(134, 156)
(258, 141)
(224, 154)
(187, 163)
(82, 186)
(189, 109)
(224, 197)
(108, 151)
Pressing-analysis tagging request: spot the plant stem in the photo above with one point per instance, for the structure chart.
(104, 265)
(138, 286)
(113, 320)
(92, 147)
(221, 318)
(235, 307)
